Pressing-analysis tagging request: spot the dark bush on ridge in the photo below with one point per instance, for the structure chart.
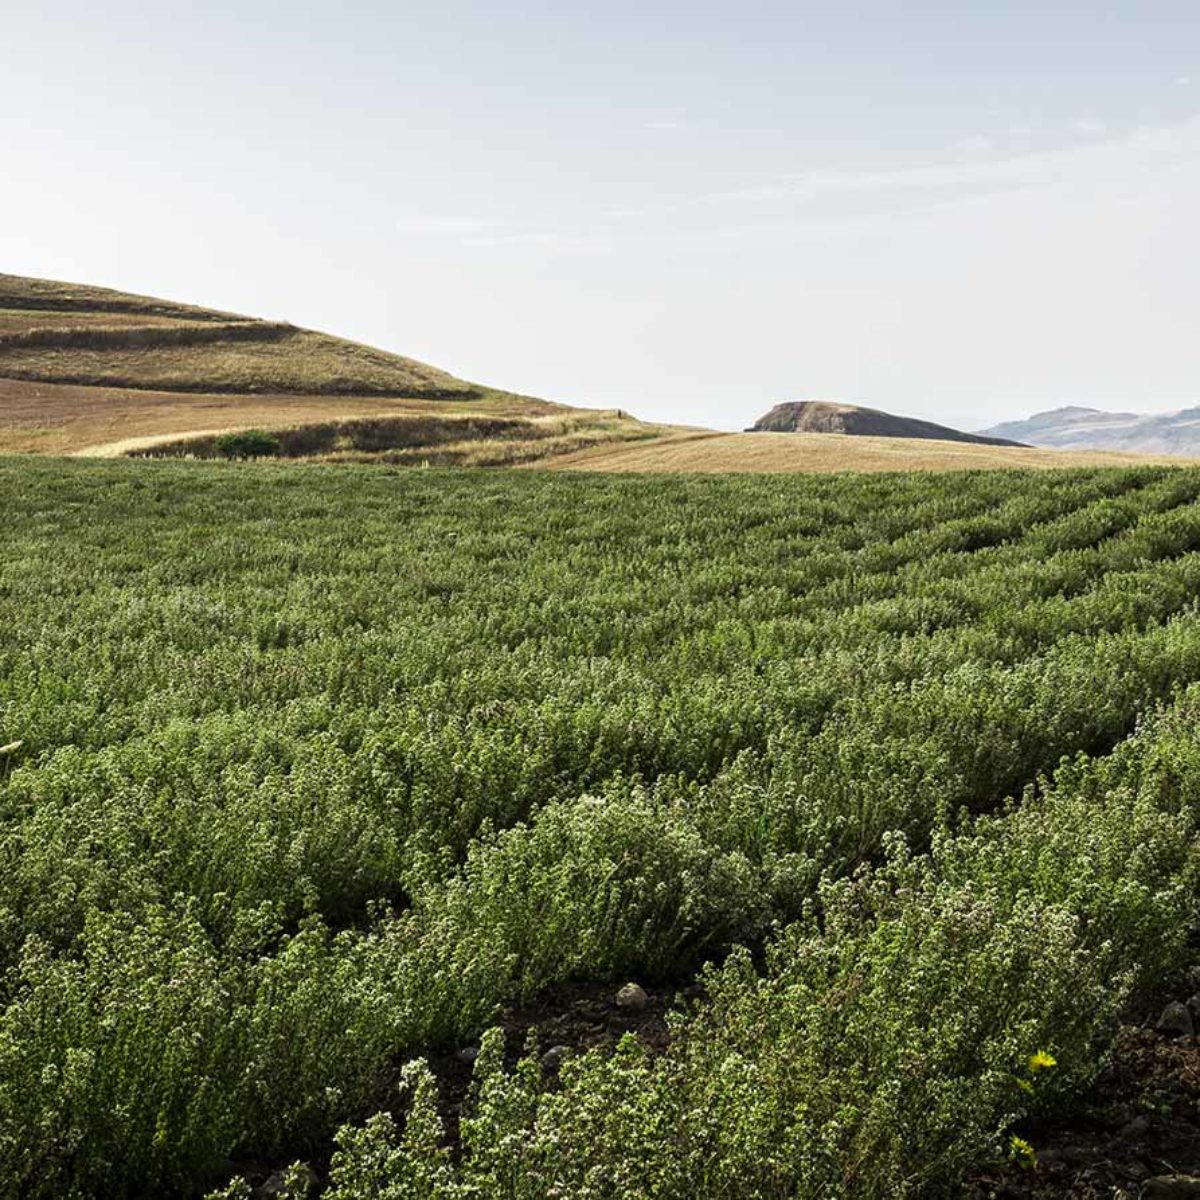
(249, 443)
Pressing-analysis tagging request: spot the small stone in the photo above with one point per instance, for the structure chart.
(554, 1058)
(632, 997)
(1171, 1187)
(1136, 1128)
(1176, 1021)
(1194, 1004)
(468, 1054)
(1193, 977)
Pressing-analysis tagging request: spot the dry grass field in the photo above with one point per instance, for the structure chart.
(700, 451)
(68, 419)
(92, 372)
(46, 418)
(271, 359)
(40, 296)
(434, 437)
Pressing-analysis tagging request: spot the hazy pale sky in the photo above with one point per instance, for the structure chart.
(963, 211)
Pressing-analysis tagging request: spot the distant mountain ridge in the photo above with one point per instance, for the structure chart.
(1077, 428)
(823, 416)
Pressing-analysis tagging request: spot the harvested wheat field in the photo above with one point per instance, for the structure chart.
(109, 422)
(701, 451)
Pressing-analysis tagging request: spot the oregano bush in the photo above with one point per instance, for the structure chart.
(309, 772)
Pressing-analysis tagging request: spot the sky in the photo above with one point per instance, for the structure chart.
(962, 211)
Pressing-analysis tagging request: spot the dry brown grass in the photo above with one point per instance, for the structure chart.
(108, 422)
(543, 440)
(297, 362)
(39, 418)
(21, 320)
(63, 419)
(52, 295)
(435, 438)
(700, 451)
(63, 333)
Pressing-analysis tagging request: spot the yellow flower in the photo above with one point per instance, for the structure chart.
(1022, 1151)
(1041, 1061)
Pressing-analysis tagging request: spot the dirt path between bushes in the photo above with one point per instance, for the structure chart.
(148, 442)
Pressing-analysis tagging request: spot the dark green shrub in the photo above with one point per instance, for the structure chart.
(247, 443)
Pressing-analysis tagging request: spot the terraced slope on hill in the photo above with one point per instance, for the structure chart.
(65, 333)
(96, 372)
(91, 371)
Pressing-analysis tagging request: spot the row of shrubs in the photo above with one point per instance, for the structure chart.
(371, 435)
(317, 771)
(895, 1037)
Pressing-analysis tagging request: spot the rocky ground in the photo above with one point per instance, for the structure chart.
(566, 1020)
(569, 1019)
(1138, 1134)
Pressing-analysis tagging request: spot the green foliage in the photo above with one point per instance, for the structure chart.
(317, 769)
(888, 1048)
(248, 443)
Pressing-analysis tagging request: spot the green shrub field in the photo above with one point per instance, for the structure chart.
(307, 772)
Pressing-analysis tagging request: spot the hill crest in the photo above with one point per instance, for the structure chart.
(67, 333)
(823, 416)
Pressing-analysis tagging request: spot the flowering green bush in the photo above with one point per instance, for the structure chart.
(885, 1049)
(317, 769)
(249, 443)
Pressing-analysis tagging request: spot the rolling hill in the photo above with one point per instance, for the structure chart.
(821, 416)
(1077, 428)
(88, 370)
(94, 372)
(66, 333)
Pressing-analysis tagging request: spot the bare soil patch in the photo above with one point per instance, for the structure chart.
(1141, 1122)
